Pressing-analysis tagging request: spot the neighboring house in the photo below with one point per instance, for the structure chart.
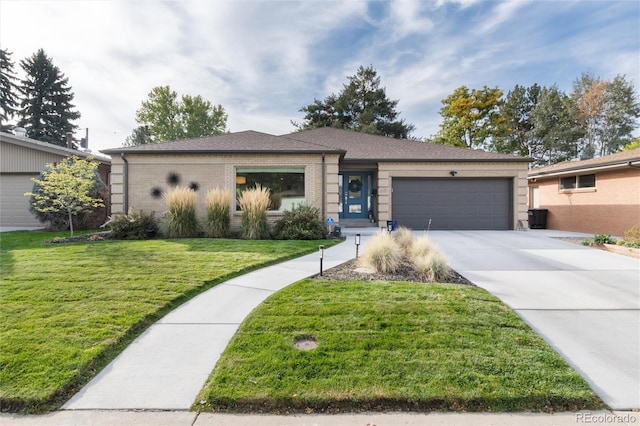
(598, 196)
(22, 159)
(354, 178)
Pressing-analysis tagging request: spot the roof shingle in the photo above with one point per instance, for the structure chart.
(620, 158)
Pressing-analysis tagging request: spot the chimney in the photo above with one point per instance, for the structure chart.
(69, 140)
(20, 131)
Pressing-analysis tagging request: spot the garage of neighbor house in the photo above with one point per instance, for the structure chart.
(355, 178)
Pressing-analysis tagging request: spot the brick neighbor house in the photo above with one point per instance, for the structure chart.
(354, 178)
(598, 196)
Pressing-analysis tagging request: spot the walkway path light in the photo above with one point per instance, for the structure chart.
(357, 244)
(321, 248)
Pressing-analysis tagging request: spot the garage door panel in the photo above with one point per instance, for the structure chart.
(464, 204)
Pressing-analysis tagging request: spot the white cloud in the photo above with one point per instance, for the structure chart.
(263, 60)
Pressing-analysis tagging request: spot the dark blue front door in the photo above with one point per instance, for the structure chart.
(355, 195)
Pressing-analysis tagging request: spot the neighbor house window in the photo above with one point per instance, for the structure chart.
(285, 183)
(578, 182)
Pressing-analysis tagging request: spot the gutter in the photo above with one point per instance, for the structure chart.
(126, 183)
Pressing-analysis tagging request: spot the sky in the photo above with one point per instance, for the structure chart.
(263, 60)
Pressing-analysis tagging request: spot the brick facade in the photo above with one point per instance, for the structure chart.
(612, 207)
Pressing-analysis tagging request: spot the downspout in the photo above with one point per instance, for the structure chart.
(126, 183)
(324, 186)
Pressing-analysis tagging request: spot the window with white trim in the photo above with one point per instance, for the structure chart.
(577, 182)
(286, 184)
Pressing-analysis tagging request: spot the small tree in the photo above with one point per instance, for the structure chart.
(68, 188)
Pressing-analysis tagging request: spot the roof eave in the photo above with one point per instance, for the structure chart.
(219, 152)
(577, 169)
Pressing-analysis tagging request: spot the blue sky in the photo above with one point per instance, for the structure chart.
(264, 60)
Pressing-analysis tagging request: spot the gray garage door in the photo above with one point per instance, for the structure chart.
(452, 203)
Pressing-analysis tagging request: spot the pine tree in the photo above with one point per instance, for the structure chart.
(8, 90)
(362, 106)
(46, 111)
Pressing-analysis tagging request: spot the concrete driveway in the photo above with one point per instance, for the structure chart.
(583, 301)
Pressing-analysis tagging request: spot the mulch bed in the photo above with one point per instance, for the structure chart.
(348, 272)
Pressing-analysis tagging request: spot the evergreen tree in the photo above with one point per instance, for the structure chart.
(46, 111)
(8, 90)
(362, 105)
(515, 135)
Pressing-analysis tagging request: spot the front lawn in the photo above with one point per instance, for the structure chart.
(390, 346)
(66, 310)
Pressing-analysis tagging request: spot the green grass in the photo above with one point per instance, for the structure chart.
(66, 310)
(390, 346)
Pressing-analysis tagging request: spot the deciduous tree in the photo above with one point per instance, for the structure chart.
(470, 118)
(66, 189)
(607, 112)
(164, 117)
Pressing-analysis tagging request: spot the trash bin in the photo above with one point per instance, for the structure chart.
(392, 225)
(538, 218)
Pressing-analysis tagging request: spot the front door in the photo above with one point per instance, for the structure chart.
(355, 195)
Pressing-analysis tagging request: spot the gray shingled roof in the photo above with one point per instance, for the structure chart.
(621, 158)
(247, 142)
(362, 147)
(49, 147)
(355, 146)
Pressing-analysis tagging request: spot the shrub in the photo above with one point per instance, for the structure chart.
(254, 203)
(632, 237)
(181, 218)
(403, 236)
(602, 239)
(218, 216)
(302, 222)
(134, 226)
(382, 253)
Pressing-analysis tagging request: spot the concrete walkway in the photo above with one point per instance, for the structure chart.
(166, 366)
(583, 301)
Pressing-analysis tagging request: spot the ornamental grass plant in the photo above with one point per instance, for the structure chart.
(254, 203)
(383, 254)
(181, 218)
(218, 202)
(404, 238)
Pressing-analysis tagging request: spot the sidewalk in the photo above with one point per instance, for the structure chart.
(165, 368)
(185, 418)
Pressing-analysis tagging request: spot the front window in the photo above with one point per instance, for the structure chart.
(285, 183)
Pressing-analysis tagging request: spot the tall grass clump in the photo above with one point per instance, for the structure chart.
(254, 203)
(382, 253)
(420, 248)
(432, 267)
(181, 218)
(403, 236)
(218, 202)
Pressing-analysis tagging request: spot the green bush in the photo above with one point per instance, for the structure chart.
(134, 226)
(182, 221)
(218, 213)
(602, 239)
(302, 222)
(254, 204)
